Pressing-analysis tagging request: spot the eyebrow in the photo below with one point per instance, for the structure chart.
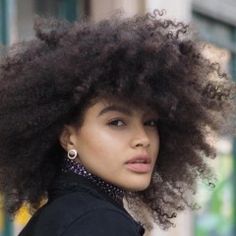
(115, 108)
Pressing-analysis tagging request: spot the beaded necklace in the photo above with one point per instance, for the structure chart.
(111, 190)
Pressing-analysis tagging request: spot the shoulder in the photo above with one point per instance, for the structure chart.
(75, 212)
(103, 221)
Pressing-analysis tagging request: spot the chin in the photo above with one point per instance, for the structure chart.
(138, 186)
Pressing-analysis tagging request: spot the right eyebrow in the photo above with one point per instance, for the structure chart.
(115, 108)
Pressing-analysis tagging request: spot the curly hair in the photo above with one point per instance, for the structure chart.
(148, 60)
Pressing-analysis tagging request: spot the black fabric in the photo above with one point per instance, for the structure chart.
(77, 207)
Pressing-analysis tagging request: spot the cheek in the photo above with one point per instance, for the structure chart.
(99, 143)
(98, 151)
(156, 143)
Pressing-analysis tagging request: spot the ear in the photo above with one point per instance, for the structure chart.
(67, 137)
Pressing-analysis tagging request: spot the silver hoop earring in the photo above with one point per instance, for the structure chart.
(72, 154)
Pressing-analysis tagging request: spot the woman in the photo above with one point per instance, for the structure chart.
(97, 113)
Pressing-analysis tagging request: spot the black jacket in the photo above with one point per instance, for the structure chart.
(77, 207)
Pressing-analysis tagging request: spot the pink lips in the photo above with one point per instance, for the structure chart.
(141, 164)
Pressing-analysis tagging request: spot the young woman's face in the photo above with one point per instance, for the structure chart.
(109, 140)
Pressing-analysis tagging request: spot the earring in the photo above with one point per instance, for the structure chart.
(72, 154)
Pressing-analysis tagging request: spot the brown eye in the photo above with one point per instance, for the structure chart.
(152, 123)
(117, 123)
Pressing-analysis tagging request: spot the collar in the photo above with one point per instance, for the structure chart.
(114, 192)
(70, 182)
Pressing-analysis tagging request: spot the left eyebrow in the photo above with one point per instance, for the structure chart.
(115, 108)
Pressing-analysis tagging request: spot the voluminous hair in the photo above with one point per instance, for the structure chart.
(147, 61)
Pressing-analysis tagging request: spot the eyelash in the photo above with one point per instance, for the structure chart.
(111, 123)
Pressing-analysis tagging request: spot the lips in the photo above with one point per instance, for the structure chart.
(140, 164)
(140, 159)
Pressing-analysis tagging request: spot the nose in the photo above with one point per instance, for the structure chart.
(140, 138)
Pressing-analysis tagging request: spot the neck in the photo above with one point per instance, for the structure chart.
(111, 190)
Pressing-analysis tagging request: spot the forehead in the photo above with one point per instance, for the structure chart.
(105, 105)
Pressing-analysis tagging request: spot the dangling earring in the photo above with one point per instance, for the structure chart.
(72, 154)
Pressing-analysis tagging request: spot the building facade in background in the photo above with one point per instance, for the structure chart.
(216, 22)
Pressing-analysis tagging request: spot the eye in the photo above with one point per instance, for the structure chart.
(153, 123)
(117, 122)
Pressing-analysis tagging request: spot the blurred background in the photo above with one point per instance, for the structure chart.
(215, 20)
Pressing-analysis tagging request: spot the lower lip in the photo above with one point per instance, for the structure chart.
(139, 167)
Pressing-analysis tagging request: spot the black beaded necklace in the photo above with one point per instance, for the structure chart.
(111, 190)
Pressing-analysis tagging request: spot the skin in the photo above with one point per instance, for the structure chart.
(109, 138)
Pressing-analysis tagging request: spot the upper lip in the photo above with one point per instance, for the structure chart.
(144, 158)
